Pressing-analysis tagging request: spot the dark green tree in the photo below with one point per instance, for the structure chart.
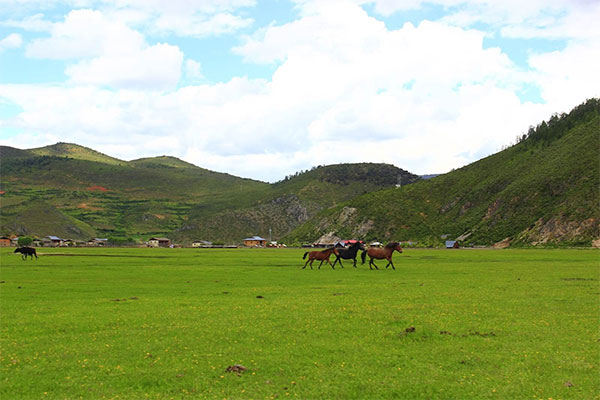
(24, 241)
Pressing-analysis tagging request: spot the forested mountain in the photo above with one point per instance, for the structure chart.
(543, 190)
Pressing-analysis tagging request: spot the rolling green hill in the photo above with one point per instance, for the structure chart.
(80, 187)
(75, 151)
(543, 190)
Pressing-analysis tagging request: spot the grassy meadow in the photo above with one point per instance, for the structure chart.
(166, 323)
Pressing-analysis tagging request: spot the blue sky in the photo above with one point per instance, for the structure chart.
(262, 89)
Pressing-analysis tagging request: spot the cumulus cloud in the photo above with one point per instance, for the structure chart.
(85, 33)
(107, 52)
(568, 76)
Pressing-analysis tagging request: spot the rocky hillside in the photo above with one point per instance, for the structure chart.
(289, 203)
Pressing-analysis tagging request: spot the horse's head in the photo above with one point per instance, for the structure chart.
(394, 246)
(17, 250)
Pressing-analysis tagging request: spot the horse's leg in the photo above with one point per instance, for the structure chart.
(329, 261)
(308, 261)
(321, 264)
(337, 258)
(372, 260)
(354, 261)
(390, 263)
(340, 260)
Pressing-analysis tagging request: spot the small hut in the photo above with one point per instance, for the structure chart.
(159, 242)
(255, 241)
(452, 244)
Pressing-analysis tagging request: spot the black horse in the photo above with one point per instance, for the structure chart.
(348, 254)
(26, 251)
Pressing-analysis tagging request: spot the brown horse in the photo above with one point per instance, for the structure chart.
(381, 253)
(322, 255)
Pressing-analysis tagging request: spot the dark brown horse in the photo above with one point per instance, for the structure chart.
(348, 254)
(381, 253)
(322, 255)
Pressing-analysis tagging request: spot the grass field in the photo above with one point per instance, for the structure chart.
(166, 323)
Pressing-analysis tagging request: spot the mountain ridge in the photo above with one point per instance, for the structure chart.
(165, 195)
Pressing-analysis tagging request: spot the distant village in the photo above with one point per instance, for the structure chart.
(163, 242)
(55, 241)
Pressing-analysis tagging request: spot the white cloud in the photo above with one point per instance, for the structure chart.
(513, 18)
(200, 25)
(83, 34)
(35, 23)
(569, 76)
(180, 17)
(12, 41)
(107, 52)
(154, 67)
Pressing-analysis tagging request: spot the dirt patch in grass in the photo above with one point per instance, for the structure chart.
(86, 206)
(237, 368)
(96, 187)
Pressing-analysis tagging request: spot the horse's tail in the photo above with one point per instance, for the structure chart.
(363, 256)
(304, 256)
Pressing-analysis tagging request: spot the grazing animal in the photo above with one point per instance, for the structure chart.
(348, 254)
(322, 255)
(381, 253)
(26, 251)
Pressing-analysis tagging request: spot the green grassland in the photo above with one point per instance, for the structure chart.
(166, 323)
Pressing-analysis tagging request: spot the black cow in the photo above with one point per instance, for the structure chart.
(26, 251)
